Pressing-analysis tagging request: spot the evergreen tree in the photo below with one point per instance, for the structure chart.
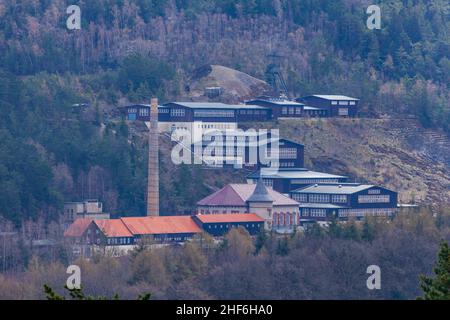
(438, 288)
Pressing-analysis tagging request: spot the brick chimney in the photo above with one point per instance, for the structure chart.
(153, 162)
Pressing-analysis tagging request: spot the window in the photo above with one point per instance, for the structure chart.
(291, 110)
(343, 103)
(144, 112)
(298, 110)
(343, 111)
(318, 213)
(267, 182)
(352, 103)
(334, 103)
(177, 112)
(300, 197)
(319, 198)
(374, 198)
(374, 191)
(339, 198)
(288, 153)
(284, 110)
(214, 113)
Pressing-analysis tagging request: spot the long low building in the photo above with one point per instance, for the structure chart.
(331, 105)
(285, 180)
(250, 150)
(190, 115)
(323, 202)
(128, 231)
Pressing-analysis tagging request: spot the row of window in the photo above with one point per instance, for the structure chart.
(177, 112)
(283, 219)
(385, 198)
(319, 198)
(365, 212)
(288, 153)
(288, 164)
(343, 103)
(214, 113)
(227, 226)
(314, 213)
(291, 110)
(253, 112)
(313, 181)
(118, 241)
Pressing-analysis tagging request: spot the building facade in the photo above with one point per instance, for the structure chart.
(250, 150)
(119, 236)
(219, 224)
(333, 105)
(323, 202)
(279, 212)
(91, 209)
(279, 107)
(286, 180)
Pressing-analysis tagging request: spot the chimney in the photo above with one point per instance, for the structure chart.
(153, 162)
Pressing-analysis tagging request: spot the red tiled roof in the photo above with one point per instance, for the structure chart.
(77, 228)
(236, 194)
(161, 225)
(113, 228)
(229, 217)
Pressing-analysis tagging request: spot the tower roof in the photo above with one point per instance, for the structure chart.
(260, 194)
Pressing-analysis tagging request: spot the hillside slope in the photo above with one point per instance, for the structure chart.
(394, 153)
(236, 85)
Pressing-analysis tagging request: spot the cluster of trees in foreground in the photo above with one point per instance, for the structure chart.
(320, 263)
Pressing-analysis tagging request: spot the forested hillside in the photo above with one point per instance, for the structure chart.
(51, 152)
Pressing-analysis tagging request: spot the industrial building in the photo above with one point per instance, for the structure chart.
(323, 202)
(279, 212)
(285, 180)
(332, 105)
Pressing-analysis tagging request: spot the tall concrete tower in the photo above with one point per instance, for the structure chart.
(153, 162)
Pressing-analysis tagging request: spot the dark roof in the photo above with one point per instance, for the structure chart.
(293, 173)
(332, 97)
(260, 194)
(276, 101)
(214, 105)
(334, 188)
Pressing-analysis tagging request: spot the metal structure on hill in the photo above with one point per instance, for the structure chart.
(274, 76)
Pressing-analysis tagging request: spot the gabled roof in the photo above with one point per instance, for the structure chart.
(333, 97)
(77, 228)
(227, 196)
(229, 217)
(214, 105)
(334, 188)
(161, 225)
(237, 194)
(113, 228)
(293, 173)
